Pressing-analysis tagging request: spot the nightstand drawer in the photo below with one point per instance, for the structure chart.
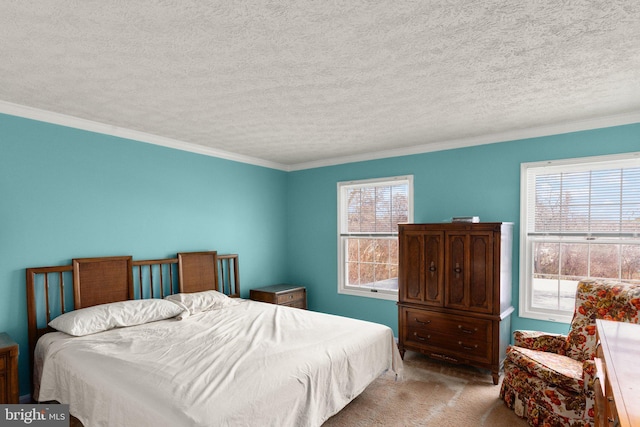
(289, 295)
(301, 303)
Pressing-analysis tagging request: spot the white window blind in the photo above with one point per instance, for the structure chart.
(587, 203)
(376, 209)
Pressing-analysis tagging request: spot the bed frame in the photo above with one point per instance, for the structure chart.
(119, 278)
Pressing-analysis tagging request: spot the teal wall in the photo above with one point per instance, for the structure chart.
(68, 193)
(482, 181)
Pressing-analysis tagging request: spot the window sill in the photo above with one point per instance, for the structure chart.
(386, 295)
(547, 317)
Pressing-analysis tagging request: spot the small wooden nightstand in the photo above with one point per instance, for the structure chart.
(8, 370)
(289, 295)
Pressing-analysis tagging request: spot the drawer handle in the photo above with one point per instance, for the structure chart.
(290, 296)
(467, 347)
(432, 267)
(421, 338)
(445, 357)
(421, 322)
(467, 331)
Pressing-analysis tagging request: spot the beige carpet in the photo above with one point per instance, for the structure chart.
(431, 394)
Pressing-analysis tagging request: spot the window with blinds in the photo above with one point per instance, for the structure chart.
(368, 215)
(581, 219)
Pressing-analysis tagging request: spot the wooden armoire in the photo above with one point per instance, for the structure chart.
(454, 292)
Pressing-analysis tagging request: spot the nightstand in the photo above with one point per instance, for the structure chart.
(289, 295)
(8, 370)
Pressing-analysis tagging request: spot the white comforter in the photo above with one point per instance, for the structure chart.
(252, 364)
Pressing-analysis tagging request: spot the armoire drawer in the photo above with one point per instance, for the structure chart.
(458, 327)
(463, 348)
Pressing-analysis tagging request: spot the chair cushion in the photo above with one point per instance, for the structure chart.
(543, 341)
(553, 368)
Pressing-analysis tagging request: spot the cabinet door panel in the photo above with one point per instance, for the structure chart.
(434, 269)
(421, 268)
(481, 277)
(411, 267)
(411, 273)
(469, 271)
(456, 271)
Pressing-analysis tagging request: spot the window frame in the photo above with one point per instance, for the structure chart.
(528, 171)
(343, 287)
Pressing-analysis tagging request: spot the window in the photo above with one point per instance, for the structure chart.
(368, 215)
(580, 218)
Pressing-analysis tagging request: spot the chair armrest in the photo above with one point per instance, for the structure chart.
(589, 375)
(541, 341)
(590, 378)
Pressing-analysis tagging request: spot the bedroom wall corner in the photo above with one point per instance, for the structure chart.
(70, 193)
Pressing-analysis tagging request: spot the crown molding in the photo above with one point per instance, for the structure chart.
(91, 126)
(533, 132)
(513, 135)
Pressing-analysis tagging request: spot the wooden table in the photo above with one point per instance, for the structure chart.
(618, 364)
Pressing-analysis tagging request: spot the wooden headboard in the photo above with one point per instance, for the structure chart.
(110, 279)
(102, 280)
(198, 271)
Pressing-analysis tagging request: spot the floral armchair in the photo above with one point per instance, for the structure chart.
(549, 378)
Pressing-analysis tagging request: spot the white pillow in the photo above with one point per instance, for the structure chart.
(196, 302)
(103, 317)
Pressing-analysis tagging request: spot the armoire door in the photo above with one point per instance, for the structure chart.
(421, 268)
(469, 271)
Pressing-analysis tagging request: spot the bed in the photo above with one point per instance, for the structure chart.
(228, 362)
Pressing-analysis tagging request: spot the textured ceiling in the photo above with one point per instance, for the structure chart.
(305, 81)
